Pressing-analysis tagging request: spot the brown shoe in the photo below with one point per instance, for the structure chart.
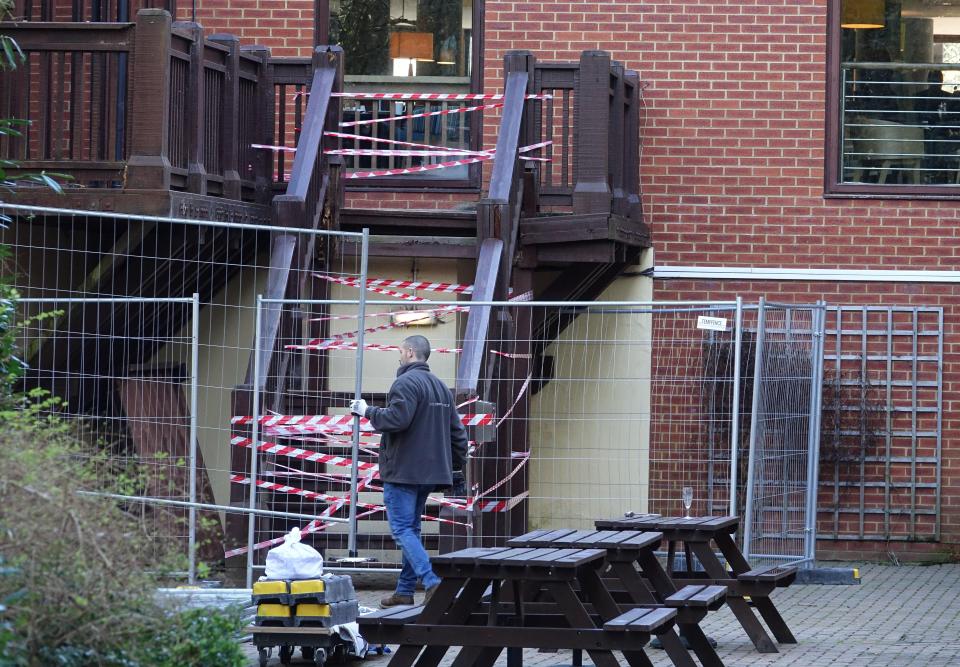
(396, 600)
(429, 593)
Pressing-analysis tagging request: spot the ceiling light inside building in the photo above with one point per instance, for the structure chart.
(414, 318)
(862, 14)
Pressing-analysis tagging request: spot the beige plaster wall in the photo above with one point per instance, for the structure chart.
(590, 425)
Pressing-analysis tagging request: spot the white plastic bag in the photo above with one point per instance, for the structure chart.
(293, 560)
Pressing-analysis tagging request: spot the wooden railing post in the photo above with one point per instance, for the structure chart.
(616, 138)
(631, 146)
(266, 99)
(591, 168)
(196, 115)
(149, 165)
(230, 125)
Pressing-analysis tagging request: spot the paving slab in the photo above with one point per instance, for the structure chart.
(897, 617)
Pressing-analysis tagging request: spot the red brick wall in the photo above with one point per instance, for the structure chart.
(733, 161)
(286, 27)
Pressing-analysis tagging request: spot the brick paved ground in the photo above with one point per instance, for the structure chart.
(898, 617)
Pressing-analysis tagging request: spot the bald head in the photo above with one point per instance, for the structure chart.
(419, 347)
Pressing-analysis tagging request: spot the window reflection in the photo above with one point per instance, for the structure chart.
(404, 37)
(900, 105)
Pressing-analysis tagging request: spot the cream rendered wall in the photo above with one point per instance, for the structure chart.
(380, 368)
(590, 426)
(226, 338)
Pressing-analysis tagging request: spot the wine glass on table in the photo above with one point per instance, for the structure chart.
(687, 500)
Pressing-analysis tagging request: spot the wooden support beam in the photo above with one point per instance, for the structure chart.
(230, 125)
(616, 137)
(591, 192)
(631, 145)
(263, 125)
(149, 165)
(196, 103)
(478, 321)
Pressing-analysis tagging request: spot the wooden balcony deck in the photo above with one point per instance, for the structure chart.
(151, 118)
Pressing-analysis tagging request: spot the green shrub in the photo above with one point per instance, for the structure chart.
(79, 575)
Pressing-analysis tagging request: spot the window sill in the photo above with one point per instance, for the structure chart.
(857, 191)
(367, 79)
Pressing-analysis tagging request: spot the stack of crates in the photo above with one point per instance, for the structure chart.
(322, 603)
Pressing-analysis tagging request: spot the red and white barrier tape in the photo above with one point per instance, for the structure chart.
(433, 96)
(275, 149)
(525, 457)
(421, 114)
(304, 420)
(392, 142)
(369, 347)
(313, 495)
(423, 285)
(340, 420)
(315, 526)
(523, 390)
(365, 484)
(417, 170)
(301, 454)
(397, 152)
(352, 282)
(502, 505)
(444, 309)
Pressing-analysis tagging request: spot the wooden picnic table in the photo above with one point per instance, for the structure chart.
(450, 618)
(633, 565)
(742, 581)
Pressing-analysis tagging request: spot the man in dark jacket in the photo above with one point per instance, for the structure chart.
(423, 449)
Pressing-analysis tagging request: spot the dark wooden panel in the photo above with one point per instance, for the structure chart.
(408, 220)
(438, 247)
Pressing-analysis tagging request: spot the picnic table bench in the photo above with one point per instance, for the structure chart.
(742, 581)
(626, 551)
(454, 615)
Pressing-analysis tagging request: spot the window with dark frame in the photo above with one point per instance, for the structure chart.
(409, 46)
(894, 98)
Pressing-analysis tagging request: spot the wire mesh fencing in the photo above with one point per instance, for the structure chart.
(123, 373)
(580, 411)
(782, 465)
(101, 361)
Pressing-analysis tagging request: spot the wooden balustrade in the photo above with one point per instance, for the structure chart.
(153, 105)
(79, 11)
(149, 105)
(592, 118)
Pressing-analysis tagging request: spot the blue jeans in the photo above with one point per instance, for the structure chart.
(405, 504)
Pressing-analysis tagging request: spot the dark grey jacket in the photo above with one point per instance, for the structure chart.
(423, 437)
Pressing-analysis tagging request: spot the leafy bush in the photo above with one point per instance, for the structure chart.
(79, 572)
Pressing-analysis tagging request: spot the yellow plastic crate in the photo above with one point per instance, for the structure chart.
(277, 592)
(273, 614)
(313, 610)
(307, 586)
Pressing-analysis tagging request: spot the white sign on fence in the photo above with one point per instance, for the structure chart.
(712, 323)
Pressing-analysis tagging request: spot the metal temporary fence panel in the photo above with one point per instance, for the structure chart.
(782, 466)
(881, 435)
(780, 503)
(130, 367)
(583, 410)
(64, 253)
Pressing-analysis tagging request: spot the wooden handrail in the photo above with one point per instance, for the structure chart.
(311, 137)
(496, 231)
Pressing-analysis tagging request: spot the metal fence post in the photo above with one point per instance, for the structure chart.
(194, 380)
(255, 436)
(754, 428)
(357, 389)
(813, 450)
(735, 405)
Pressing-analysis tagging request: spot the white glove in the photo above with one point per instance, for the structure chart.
(358, 407)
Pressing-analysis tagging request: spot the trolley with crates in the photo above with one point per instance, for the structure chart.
(304, 613)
